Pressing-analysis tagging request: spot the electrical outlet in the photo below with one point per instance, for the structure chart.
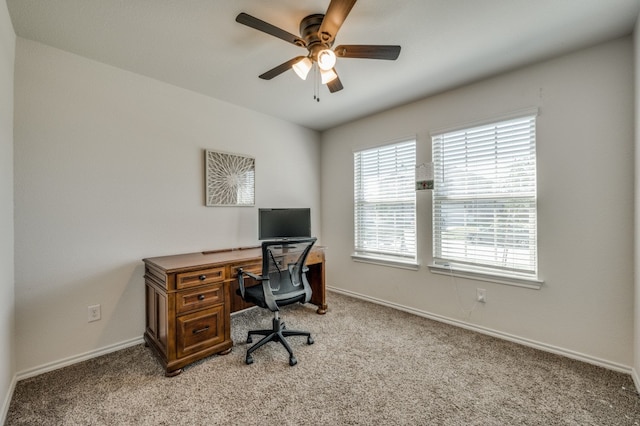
(93, 313)
(481, 295)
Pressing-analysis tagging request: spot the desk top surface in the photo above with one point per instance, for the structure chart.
(211, 257)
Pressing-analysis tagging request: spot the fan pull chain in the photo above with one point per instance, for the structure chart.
(316, 85)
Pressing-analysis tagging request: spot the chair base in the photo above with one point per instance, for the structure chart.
(278, 333)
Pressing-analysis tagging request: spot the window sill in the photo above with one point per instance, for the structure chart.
(460, 272)
(386, 261)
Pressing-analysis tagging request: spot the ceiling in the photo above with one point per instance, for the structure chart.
(197, 45)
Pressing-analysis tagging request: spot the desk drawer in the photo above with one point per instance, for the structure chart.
(200, 330)
(312, 258)
(200, 297)
(255, 268)
(202, 277)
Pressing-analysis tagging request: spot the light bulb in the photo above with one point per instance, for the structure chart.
(326, 59)
(302, 68)
(328, 75)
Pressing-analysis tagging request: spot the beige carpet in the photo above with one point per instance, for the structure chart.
(370, 365)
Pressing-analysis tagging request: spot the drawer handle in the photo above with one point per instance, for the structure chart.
(201, 330)
(201, 297)
(202, 277)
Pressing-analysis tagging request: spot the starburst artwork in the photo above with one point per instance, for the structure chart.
(230, 179)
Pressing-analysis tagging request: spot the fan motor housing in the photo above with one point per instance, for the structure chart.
(309, 31)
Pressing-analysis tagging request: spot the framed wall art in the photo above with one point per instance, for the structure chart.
(229, 179)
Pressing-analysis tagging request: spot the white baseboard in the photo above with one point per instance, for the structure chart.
(636, 379)
(505, 336)
(77, 358)
(7, 401)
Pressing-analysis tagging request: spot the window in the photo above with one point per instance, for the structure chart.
(385, 204)
(484, 201)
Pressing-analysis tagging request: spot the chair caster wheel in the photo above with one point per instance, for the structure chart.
(293, 361)
(310, 340)
(249, 360)
(249, 339)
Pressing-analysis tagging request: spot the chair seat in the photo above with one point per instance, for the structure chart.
(255, 295)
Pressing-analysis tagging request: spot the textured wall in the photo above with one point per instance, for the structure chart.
(636, 342)
(585, 206)
(109, 169)
(7, 54)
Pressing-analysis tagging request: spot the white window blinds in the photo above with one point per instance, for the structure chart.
(385, 201)
(484, 201)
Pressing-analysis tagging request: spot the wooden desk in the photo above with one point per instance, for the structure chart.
(190, 297)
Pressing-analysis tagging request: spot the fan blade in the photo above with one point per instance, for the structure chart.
(335, 85)
(334, 18)
(266, 27)
(274, 72)
(364, 51)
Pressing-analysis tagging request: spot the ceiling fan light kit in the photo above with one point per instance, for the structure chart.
(327, 76)
(326, 59)
(317, 34)
(302, 67)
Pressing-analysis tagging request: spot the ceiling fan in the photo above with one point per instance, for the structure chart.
(317, 34)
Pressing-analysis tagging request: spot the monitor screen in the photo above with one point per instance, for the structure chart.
(277, 224)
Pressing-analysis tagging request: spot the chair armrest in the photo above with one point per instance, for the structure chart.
(251, 274)
(241, 274)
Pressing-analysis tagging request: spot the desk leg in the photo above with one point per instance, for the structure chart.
(173, 373)
(318, 292)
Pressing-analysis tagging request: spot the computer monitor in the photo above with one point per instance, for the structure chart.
(284, 223)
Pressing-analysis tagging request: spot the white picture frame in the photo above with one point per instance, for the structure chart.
(229, 179)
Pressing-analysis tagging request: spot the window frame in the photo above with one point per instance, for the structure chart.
(445, 263)
(406, 196)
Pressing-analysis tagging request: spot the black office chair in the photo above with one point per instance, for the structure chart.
(283, 282)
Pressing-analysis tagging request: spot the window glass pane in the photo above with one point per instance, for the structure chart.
(484, 201)
(384, 199)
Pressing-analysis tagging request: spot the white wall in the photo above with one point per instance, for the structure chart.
(109, 170)
(585, 168)
(636, 345)
(7, 327)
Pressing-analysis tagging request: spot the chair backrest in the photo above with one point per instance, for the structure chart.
(283, 262)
